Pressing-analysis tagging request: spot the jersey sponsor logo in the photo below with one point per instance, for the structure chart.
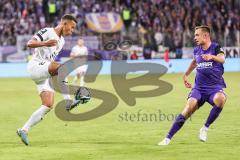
(205, 65)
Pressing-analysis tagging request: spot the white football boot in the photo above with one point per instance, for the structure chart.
(203, 134)
(164, 142)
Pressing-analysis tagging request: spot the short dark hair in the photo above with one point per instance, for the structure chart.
(204, 28)
(69, 17)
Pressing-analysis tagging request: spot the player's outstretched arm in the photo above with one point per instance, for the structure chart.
(191, 67)
(34, 43)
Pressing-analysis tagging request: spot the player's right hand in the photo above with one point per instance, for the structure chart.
(50, 43)
(186, 83)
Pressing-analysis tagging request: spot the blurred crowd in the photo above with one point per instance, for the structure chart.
(161, 22)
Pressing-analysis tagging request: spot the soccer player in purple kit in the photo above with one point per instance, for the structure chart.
(209, 83)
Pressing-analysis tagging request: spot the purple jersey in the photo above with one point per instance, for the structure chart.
(209, 74)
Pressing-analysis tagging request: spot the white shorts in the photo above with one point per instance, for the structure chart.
(38, 71)
(82, 69)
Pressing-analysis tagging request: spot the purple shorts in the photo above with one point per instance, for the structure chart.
(204, 96)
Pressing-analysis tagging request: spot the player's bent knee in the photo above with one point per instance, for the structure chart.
(48, 104)
(53, 68)
(219, 99)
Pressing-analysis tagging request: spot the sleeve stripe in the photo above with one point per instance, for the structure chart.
(40, 36)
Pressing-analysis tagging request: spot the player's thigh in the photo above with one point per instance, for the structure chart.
(191, 107)
(46, 92)
(47, 98)
(194, 101)
(44, 86)
(38, 70)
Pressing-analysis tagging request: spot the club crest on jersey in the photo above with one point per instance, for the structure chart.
(205, 65)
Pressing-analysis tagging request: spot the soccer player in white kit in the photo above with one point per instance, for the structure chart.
(79, 50)
(48, 42)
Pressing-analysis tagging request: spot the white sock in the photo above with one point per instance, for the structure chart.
(62, 82)
(66, 96)
(82, 81)
(64, 88)
(36, 117)
(206, 128)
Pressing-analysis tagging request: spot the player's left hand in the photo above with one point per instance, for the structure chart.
(207, 57)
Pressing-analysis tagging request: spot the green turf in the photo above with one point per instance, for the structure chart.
(109, 136)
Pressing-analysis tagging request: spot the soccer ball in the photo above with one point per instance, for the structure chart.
(83, 94)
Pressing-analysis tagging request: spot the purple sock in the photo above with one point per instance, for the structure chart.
(178, 123)
(213, 115)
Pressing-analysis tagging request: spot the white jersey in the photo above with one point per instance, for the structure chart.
(79, 51)
(48, 53)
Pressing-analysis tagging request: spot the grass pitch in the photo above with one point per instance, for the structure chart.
(116, 135)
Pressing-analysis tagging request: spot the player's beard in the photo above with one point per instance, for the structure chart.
(199, 43)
